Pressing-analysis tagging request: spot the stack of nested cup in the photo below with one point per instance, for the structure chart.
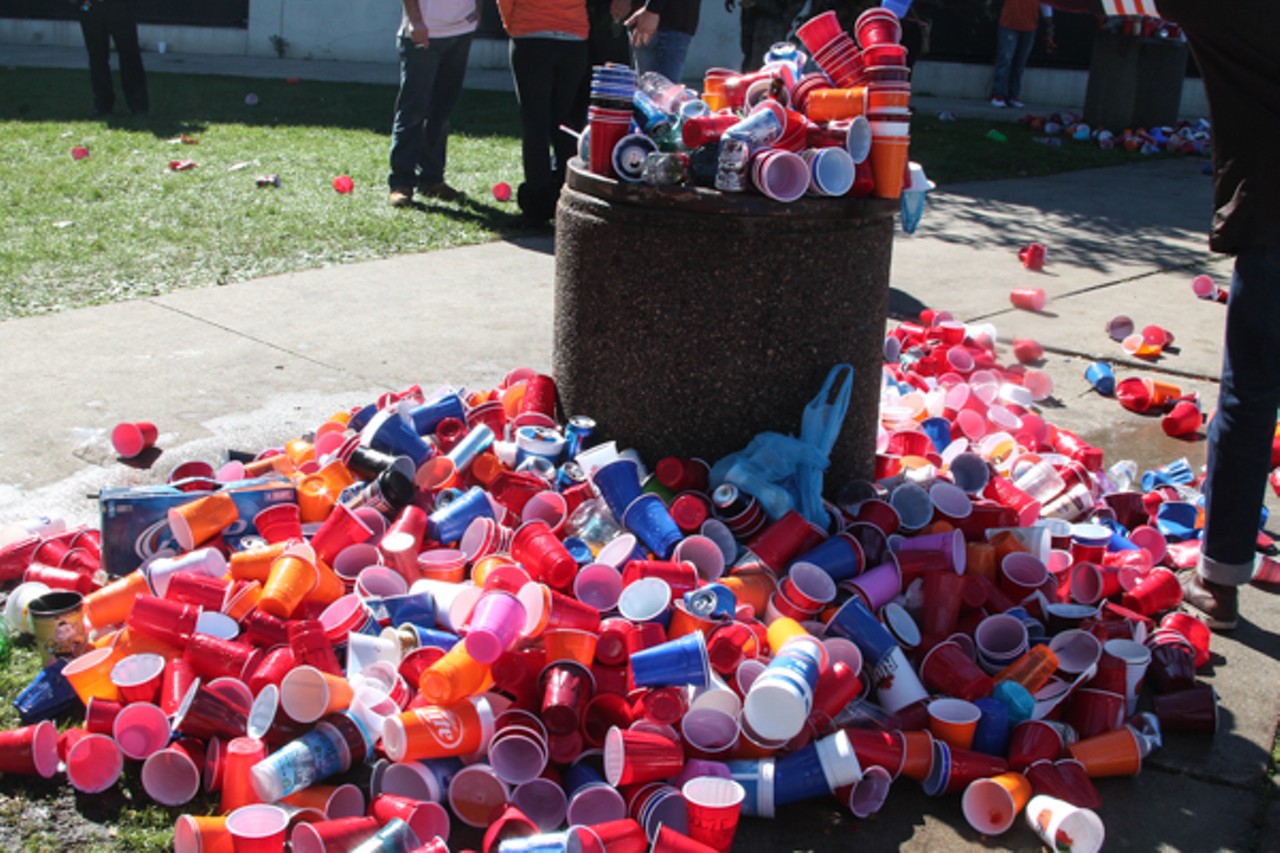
(613, 89)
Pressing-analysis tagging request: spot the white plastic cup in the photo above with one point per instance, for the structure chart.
(1047, 816)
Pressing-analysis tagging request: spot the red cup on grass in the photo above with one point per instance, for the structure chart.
(171, 776)
(130, 439)
(258, 828)
(30, 750)
(93, 763)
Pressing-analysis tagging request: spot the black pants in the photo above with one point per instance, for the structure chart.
(548, 75)
(103, 22)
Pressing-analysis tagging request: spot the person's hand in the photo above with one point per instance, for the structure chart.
(419, 34)
(619, 9)
(643, 24)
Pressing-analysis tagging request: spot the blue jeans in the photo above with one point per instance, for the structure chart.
(665, 54)
(1012, 50)
(430, 83)
(1240, 435)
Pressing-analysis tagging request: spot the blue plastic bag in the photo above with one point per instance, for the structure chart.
(784, 472)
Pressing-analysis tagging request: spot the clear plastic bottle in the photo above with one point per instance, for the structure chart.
(667, 95)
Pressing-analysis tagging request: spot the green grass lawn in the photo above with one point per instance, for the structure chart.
(119, 224)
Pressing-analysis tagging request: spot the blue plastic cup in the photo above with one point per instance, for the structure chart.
(428, 416)
(992, 734)
(648, 518)
(756, 776)
(897, 7)
(798, 777)
(855, 622)
(839, 556)
(938, 430)
(1017, 699)
(1101, 377)
(399, 437)
(675, 662)
(1177, 520)
(448, 523)
(618, 484)
(547, 842)
(414, 608)
(49, 695)
(1176, 473)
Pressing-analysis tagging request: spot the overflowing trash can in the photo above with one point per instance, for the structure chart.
(689, 320)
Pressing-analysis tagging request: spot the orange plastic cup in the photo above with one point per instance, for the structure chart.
(917, 758)
(329, 587)
(753, 586)
(954, 721)
(462, 728)
(835, 104)
(90, 675)
(980, 559)
(315, 501)
(888, 163)
(1163, 392)
(278, 464)
(570, 644)
(336, 476)
(1114, 753)
(254, 564)
(307, 694)
(992, 805)
(206, 833)
(243, 600)
(783, 629)
(1033, 670)
(454, 677)
(110, 605)
(196, 522)
(292, 579)
(299, 451)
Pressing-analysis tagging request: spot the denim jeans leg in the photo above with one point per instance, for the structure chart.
(97, 44)
(665, 54)
(1022, 52)
(1241, 432)
(1006, 46)
(418, 68)
(444, 97)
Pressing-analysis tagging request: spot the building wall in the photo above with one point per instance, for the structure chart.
(346, 30)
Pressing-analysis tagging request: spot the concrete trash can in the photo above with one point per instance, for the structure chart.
(1134, 82)
(688, 320)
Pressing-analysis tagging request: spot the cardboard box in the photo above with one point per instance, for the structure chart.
(135, 525)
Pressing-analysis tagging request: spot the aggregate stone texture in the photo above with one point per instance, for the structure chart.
(687, 330)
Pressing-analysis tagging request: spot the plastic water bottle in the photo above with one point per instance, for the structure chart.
(667, 95)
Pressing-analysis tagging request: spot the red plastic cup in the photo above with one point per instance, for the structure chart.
(633, 757)
(1158, 591)
(30, 750)
(943, 595)
(170, 622)
(258, 828)
(567, 688)
(947, 670)
(138, 677)
(130, 439)
(279, 522)
(141, 729)
(213, 657)
(1027, 298)
(93, 763)
(171, 776)
(1032, 257)
(1195, 632)
(343, 833)
(668, 840)
(1185, 418)
(875, 748)
(1194, 709)
(1031, 741)
(714, 806)
(1092, 712)
(545, 557)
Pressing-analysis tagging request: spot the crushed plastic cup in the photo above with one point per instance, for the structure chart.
(1032, 257)
(343, 184)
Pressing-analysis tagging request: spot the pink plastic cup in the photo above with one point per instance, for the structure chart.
(258, 828)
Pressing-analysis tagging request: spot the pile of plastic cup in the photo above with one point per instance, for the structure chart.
(500, 619)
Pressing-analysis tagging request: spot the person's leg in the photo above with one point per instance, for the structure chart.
(530, 66)
(570, 66)
(408, 132)
(1240, 436)
(97, 44)
(671, 49)
(1022, 52)
(450, 74)
(122, 20)
(1006, 44)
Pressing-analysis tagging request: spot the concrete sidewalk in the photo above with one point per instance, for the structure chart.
(248, 365)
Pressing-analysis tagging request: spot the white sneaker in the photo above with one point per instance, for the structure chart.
(1015, 103)
(998, 102)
